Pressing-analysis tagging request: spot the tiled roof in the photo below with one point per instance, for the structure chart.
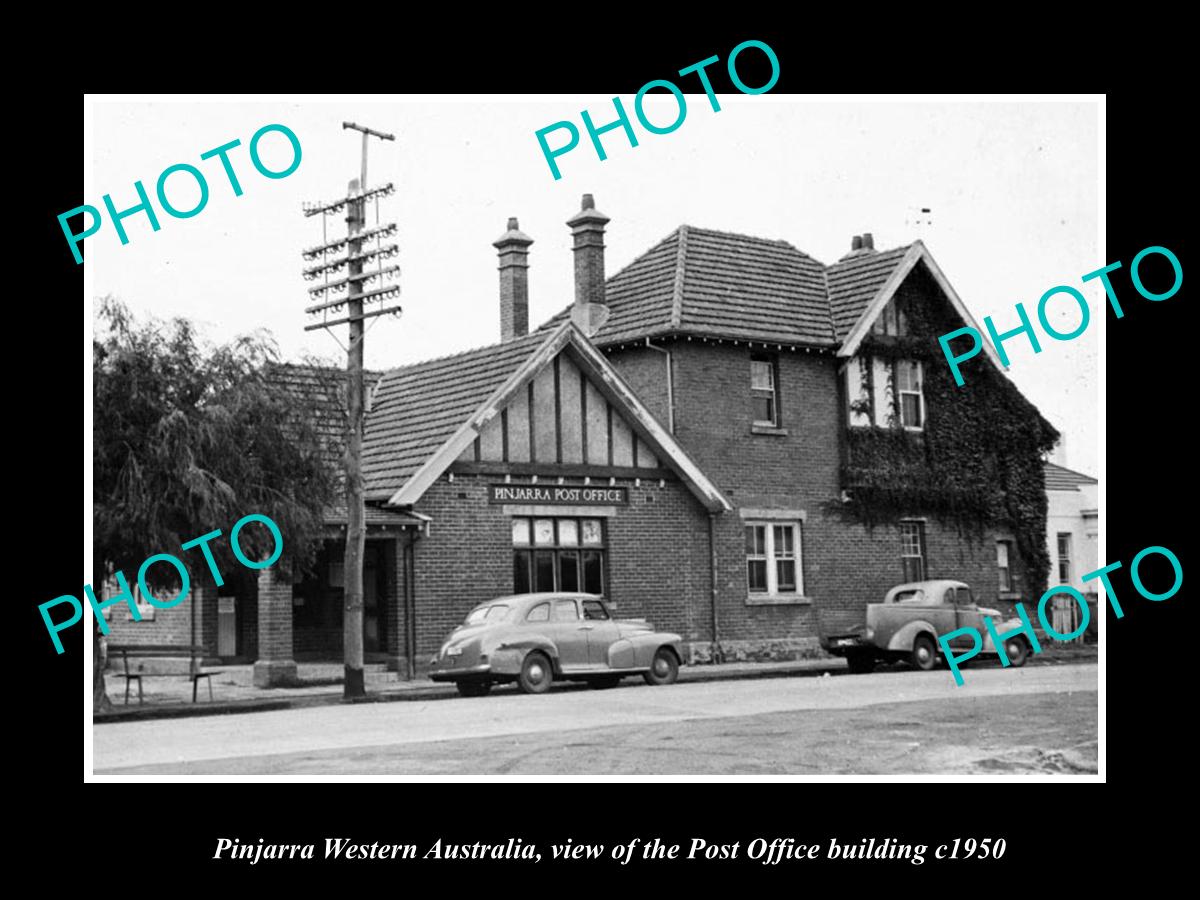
(322, 389)
(699, 281)
(418, 408)
(375, 515)
(1060, 479)
(854, 281)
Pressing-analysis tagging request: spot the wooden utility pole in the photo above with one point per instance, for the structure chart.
(355, 259)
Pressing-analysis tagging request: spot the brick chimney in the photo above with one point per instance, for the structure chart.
(587, 228)
(513, 247)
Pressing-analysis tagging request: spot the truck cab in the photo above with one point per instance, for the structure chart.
(909, 621)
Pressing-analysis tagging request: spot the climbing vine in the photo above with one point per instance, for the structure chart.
(977, 462)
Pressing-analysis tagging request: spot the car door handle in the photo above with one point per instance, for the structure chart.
(586, 627)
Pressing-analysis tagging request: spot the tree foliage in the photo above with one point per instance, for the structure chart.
(187, 439)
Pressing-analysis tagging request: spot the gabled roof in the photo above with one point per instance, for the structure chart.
(714, 283)
(424, 416)
(855, 281)
(915, 254)
(418, 408)
(1062, 479)
(700, 281)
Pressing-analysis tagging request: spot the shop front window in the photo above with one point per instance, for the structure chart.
(558, 555)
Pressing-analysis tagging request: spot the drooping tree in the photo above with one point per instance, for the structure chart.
(189, 438)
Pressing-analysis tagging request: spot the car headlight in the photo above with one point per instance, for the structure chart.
(870, 634)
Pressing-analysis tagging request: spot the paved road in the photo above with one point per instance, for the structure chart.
(1031, 719)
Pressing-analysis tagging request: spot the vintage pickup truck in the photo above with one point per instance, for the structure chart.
(906, 626)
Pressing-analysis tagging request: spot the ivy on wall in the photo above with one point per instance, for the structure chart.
(977, 463)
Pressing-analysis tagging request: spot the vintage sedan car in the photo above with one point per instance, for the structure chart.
(911, 618)
(534, 639)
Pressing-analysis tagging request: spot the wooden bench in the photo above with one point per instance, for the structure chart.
(161, 651)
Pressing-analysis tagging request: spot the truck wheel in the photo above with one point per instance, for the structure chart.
(924, 653)
(860, 663)
(1017, 650)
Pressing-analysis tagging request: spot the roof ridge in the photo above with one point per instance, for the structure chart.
(642, 256)
(470, 350)
(848, 258)
(829, 303)
(680, 269)
(753, 237)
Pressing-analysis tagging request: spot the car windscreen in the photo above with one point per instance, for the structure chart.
(493, 613)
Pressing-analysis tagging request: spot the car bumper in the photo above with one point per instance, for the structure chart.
(460, 673)
(841, 644)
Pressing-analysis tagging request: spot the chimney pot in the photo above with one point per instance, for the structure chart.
(868, 241)
(513, 248)
(855, 243)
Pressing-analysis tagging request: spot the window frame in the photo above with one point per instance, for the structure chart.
(579, 549)
(901, 392)
(1067, 561)
(1007, 581)
(923, 554)
(772, 364)
(772, 559)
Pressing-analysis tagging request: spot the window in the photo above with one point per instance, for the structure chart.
(565, 611)
(892, 320)
(912, 550)
(493, 613)
(540, 613)
(773, 558)
(594, 610)
(1004, 550)
(858, 390)
(1064, 557)
(762, 391)
(558, 555)
(908, 388)
(964, 597)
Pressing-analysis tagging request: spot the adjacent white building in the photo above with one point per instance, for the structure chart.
(1071, 537)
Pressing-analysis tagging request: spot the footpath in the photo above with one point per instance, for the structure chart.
(319, 684)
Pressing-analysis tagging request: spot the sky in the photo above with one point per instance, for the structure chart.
(1012, 188)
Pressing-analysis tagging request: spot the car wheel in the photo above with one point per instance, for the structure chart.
(536, 673)
(664, 668)
(924, 653)
(1017, 650)
(860, 663)
(473, 688)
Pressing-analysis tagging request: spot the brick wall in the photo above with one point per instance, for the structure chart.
(657, 558)
(172, 626)
(845, 564)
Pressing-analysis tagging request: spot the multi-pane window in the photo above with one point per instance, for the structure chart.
(763, 395)
(1004, 551)
(908, 391)
(773, 558)
(892, 320)
(912, 550)
(1064, 557)
(558, 555)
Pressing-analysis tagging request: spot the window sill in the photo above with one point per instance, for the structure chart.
(778, 600)
(768, 429)
(1010, 595)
